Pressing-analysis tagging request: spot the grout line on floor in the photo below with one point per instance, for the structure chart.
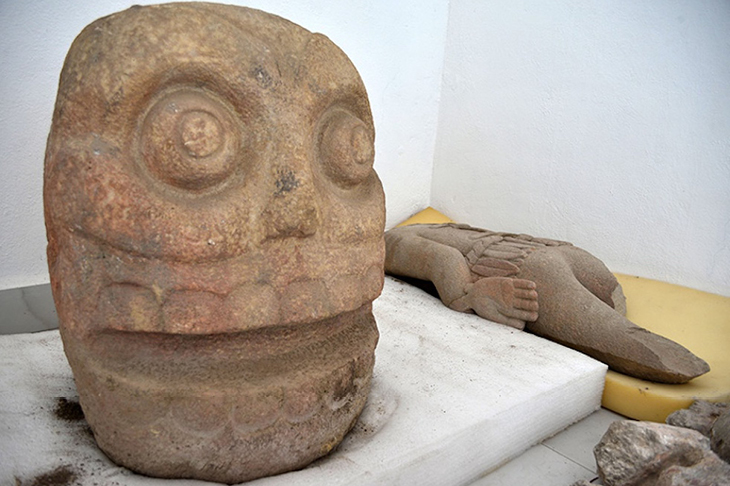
(571, 460)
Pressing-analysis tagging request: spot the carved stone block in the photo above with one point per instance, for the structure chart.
(215, 239)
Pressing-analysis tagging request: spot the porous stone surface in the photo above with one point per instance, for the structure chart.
(700, 416)
(711, 420)
(710, 471)
(649, 454)
(548, 287)
(215, 239)
(720, 436)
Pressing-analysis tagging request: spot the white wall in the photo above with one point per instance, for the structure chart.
(397, 47)
(605, 123)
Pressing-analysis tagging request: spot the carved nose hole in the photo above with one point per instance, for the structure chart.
(286, 182)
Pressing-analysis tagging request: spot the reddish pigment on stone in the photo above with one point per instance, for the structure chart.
(215, 239)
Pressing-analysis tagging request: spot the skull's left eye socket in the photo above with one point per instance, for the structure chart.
(346, 148)
(190, 140)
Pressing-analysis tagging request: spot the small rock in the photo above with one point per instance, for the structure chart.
(710, 471)
(720, 436)
(700, 416)
(634, 453)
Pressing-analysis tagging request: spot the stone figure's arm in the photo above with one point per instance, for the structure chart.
(500, 299)
(411, 255)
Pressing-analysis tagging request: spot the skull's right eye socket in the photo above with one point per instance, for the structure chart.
(190, 140)
(346, 149)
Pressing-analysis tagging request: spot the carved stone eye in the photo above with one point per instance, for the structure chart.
(190, 140)
(346, 148)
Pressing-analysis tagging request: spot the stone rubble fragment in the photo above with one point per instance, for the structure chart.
(720, 436)
(710, 471)
(635, 453)
(711, 420)
(700, 416)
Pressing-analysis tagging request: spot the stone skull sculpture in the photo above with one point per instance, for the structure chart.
(215, 239)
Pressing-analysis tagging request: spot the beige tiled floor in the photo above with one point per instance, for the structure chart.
(558, 461)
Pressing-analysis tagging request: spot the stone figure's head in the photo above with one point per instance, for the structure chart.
(214, 239)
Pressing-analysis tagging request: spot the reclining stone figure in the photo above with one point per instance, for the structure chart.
(548, 287)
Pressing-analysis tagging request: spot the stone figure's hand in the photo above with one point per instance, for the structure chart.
(509, 301)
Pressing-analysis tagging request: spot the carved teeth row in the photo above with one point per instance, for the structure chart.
(131, 307)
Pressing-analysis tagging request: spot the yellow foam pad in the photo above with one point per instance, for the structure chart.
(427, 216)
(697, 320)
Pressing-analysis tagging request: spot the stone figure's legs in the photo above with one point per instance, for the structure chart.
(575, 296)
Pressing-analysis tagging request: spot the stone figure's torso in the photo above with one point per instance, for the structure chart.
(487, 253)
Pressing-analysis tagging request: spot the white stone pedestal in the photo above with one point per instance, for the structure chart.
(454, 396)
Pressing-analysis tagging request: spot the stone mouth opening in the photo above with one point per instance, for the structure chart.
(146, 393)
(250, 355)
